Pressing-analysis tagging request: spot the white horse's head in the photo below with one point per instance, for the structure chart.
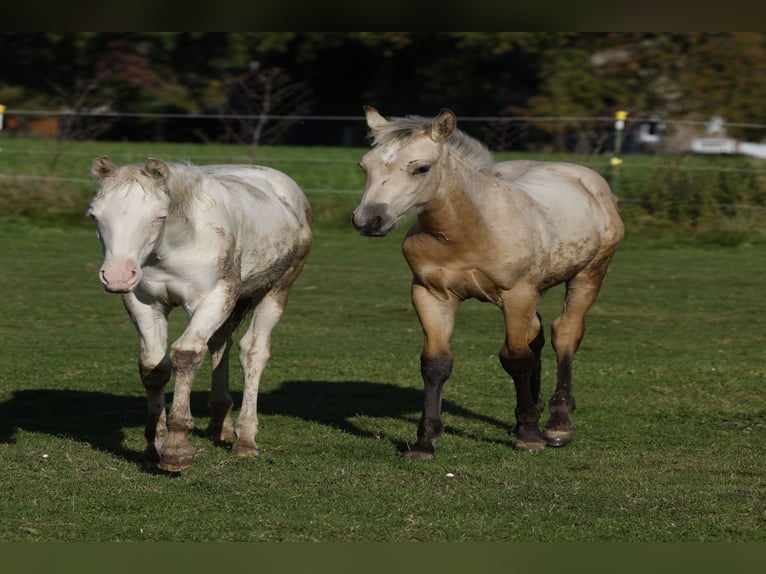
(129, 211)
(398, 168)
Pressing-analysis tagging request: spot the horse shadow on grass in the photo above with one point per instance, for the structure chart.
(99, 419)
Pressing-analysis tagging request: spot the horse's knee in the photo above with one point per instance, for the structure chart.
(187, 359)
(154, 375)
(566, 335)
(436, 370)
(517, 362)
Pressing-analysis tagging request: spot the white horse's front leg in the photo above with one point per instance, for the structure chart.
(186, 356)
(154, 368)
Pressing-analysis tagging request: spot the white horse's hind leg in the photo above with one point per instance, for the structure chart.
(220, 402)
(254, 354)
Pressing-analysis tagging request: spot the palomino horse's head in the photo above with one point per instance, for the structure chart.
(398, 166)
(129, 211)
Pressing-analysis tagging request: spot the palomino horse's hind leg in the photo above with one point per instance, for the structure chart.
(437, 317)
(520, 357)
(567, 333)
(535, 381)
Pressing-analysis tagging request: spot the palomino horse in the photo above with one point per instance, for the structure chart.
(219, 241)
(498, 232)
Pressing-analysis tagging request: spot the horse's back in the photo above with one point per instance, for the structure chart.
(263, 216)
(263, 185)
(527, 173)
(567, 188)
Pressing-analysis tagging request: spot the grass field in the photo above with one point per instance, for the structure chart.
(670, 425)
(670, 430)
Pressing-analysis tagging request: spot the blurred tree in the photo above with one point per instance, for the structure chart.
(674, 75)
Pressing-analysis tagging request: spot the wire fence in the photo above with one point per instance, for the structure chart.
(582, 134)
(27, 164)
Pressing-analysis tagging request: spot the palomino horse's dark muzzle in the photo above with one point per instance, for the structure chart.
(372, 220)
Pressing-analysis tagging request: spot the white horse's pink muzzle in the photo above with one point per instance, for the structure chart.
(120, 275)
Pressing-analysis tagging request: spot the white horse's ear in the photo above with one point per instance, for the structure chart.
(374, 120)
(157, 168)
(102, 167)
(443, 125)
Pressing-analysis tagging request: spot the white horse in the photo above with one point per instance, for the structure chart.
(498, 232)
(219, 241)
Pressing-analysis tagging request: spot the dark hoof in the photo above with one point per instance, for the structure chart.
(418, 455)
(530, 445)
(246, 450)
(150, 458)
(558, 438)
(220, 438)
(529, 438)
(419, 451)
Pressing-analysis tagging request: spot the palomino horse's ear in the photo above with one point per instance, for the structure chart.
(374, 120)
(102, 167)
(157, 168)
(443, 125)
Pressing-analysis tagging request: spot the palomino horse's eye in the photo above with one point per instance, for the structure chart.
(421, 170)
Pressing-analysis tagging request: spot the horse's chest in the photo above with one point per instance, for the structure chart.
(173, 288)
(451, 272)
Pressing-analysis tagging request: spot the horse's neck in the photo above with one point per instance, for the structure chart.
(455, 204)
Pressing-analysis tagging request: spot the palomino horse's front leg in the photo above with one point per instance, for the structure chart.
(520, 357)
(567, 332)
(437, 317)
(154, 369)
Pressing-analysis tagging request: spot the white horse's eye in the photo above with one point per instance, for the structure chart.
(421, 170)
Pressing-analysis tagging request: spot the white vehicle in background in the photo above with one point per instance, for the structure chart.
(715, 142)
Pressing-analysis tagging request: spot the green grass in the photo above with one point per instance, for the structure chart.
(670, 425)
(718, 200)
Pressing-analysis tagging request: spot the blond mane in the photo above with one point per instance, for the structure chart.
(410, 127)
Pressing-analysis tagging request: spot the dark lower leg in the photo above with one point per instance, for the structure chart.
(558, 429)
(221, 427)
(435, 373)
(535, 381)
(528, 407)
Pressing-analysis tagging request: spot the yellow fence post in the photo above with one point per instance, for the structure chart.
(615, 160)
(2, 114)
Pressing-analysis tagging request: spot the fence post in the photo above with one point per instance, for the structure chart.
(2, 113)
(615, 160)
